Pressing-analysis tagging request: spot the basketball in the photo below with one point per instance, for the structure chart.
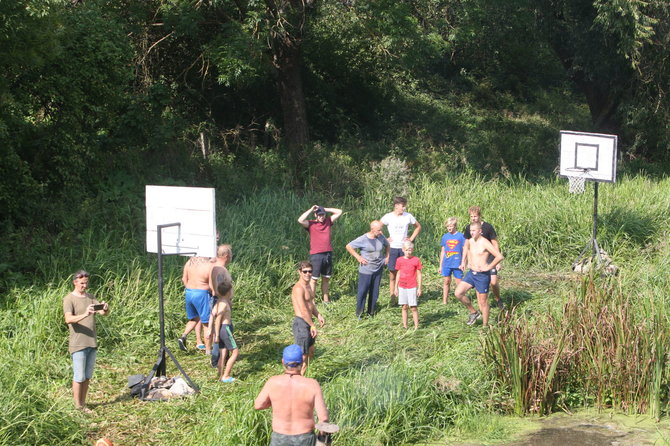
(104, 442)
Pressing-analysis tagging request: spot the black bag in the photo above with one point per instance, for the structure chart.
(135, 383)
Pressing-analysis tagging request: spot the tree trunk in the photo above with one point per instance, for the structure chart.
(288, 63)
(287, 60)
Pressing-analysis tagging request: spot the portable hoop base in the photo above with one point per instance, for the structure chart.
(591, 250)
(159, 368)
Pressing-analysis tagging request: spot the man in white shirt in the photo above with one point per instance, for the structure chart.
(398, 223)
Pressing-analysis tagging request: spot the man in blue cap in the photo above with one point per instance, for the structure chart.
(293, 399)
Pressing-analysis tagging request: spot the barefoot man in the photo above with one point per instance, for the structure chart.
(476, 253)
(304, 330)
(293, 399)
(488, 232)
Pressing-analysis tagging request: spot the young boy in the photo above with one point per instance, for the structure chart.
(398, 223)
(79, 309)
(223, 328)
(450, 256)
(408, 283)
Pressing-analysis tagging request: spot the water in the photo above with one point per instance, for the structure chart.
(583, 435)
(592, 431)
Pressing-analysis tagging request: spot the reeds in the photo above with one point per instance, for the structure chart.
(601, 345)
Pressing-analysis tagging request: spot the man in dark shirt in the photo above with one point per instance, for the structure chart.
(320, 247)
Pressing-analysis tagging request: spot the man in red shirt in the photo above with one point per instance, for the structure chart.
(408, 283)
(320, 247)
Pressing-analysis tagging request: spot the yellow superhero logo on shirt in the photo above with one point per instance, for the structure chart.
(452, 243)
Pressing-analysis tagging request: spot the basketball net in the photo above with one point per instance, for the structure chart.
(576, 185)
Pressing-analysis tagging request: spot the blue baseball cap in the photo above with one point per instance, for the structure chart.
(320, 211)
(292, 354)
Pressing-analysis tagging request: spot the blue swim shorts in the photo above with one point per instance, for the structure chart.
(198, 304)
(457, 273)
(479, 280)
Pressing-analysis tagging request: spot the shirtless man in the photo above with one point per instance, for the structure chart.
(293, 399)
(304, 330)
(488, 232)
(476, 252)
(197, 280)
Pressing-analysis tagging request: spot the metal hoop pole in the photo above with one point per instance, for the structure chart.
(596, 250)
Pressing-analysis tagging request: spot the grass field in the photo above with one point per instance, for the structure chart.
(383, 385)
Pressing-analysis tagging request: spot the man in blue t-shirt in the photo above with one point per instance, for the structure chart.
(372, 255)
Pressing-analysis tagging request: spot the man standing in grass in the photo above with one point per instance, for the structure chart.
(293, 399)
(320, 247)
(477, 252)
(197, 280)
(79, 309)
(374, 254)
(489, 233)
(398, 223)
(304, 307)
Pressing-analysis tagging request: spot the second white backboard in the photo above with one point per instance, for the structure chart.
(592, 156)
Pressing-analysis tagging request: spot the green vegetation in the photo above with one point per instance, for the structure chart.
(279, 104)
(383, 385)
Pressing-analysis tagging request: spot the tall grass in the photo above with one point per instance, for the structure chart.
(565, 343)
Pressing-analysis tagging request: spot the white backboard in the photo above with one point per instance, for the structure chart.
(193, 208)
(592, 156)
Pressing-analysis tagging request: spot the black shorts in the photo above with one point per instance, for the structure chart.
(226, 339)
(322, 264)
(302, 335)
(394, 253)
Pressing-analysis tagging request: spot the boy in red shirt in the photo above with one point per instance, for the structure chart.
(408, 283)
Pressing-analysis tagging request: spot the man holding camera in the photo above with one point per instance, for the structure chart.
(79, 308)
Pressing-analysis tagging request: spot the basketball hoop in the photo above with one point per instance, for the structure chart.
(576, 185)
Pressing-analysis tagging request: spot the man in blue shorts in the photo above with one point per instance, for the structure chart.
(198, 298)
(476, 253)
(489, 233)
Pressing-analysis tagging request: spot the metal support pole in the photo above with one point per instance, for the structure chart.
(596, 251)
(159, 368)
(161, 308)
